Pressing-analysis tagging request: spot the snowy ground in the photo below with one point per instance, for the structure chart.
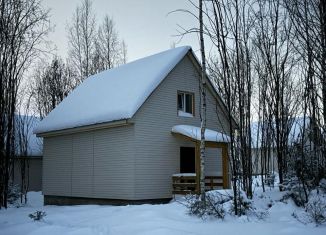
(165, 219)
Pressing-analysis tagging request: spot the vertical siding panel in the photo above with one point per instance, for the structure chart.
(114, 163)
(95, 164)
(57, 162)
(82, 166)
(213, 162)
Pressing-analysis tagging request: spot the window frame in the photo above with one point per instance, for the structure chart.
(184, 93)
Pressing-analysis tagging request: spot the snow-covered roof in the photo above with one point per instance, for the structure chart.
(295, 132)
(113, 94)
(24, 126)
(193, 132)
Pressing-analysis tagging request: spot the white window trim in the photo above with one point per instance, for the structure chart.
(183, 113)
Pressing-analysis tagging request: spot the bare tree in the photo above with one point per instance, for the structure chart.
(229, 28)
(93, 50)
(24, 124)
(51, 84)
(82, 35)
(112, 51)
(309, 20)
(124, 52)
(23, 26)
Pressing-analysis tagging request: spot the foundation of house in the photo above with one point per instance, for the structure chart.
(64, 201)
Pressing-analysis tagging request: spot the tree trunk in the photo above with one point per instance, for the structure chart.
(203, 104)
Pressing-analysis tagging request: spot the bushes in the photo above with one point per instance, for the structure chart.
(212, 207)
(13, 193)
(37, 215)
(217, 205)
(316, 209)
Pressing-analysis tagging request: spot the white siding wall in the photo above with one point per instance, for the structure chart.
(97, 164)
(114, 163)
(157, 151)
(82, 165)
(57, 165)
(34, 172)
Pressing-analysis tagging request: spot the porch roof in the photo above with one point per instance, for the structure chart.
(193, 132)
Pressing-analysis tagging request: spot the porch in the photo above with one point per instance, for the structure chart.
(185, 183)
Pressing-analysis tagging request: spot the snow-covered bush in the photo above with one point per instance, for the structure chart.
(270, 179)
(213, 207)
(297, 186)
(295, 191)
(316, 209)
(37, 215)
(322, 185)
(243, 204)
(220, 203)
(13, 193)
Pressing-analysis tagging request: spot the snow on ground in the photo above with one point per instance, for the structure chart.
(163, 219)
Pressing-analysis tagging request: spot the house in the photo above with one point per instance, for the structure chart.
(122, 134)
(298, 127)
(28, 153)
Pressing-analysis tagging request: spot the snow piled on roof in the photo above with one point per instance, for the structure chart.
(113, 94)
(24, 130)
(295, 133)
(194, 133)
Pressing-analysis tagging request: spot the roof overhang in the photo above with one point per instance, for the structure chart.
(94, 127)
(193, 133)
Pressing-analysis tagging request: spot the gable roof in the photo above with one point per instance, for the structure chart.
(114, 94)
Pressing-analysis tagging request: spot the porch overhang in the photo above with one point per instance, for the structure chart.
(213, 139)
(193, 133)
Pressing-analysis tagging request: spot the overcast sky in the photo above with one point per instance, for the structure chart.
(145, 25)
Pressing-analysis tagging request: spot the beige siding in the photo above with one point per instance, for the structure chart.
(57, 164)
(114, 163)
(157, 151)
(82, 165)
(34, 169)
(97, 164)
(270, 163)
(213, 162)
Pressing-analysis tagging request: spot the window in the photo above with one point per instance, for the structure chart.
(185, 104)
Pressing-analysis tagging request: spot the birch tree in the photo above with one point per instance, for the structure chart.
(203, 103)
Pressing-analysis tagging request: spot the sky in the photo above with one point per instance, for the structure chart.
(145, 25)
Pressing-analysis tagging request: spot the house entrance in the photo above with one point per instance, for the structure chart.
(187, 160)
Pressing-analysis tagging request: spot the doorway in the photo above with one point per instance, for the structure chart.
(187, 160)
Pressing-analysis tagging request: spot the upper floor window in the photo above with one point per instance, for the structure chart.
(186, 104)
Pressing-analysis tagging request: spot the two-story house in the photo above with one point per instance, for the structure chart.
(122, 134)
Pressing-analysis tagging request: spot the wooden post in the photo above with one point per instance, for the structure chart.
(225, 166)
